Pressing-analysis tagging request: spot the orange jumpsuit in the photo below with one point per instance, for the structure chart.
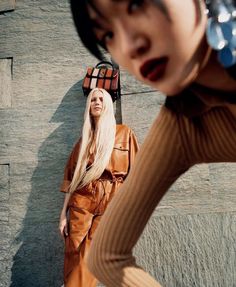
(87, 205)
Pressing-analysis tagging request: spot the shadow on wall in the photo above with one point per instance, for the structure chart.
(39, 260)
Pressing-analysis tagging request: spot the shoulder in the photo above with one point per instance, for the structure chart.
(122, 128)
(122, 133)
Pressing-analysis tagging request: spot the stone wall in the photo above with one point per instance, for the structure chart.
(189, 241)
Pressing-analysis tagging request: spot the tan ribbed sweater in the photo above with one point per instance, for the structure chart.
(174, 143)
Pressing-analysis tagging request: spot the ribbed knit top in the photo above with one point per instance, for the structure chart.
(198, 126)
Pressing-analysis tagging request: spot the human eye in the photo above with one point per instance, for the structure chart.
(134, 5)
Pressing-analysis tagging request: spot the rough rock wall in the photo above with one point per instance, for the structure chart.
(189, 241)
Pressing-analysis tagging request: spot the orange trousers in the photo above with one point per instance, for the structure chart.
(76, 273)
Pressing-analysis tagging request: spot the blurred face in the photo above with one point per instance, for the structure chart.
(96, 104)
(163, 48)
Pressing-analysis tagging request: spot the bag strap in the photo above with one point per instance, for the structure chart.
(104, 63)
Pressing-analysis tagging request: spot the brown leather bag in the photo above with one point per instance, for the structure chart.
(105, 75)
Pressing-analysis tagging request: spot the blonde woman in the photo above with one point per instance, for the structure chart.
(97, 166)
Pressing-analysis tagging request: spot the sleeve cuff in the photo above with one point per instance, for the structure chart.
(65, 186)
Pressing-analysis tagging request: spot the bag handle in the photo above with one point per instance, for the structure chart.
(104, 63)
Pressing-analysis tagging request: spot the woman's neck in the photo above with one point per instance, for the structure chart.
(214, 76)
(95, 121)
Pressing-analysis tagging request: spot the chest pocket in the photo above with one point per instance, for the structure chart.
(120, 158)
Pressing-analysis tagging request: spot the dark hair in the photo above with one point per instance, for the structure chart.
(84, 27)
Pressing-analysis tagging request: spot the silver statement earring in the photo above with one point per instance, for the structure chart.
(221, 30)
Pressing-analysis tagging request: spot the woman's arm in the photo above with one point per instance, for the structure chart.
(68, 175)
(158, 164)
(63, 218)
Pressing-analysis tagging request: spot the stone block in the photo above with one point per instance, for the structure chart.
(5, 83)
(5, 241)
(190, 250)
(4, 182)
(7, 5)
(4, 213)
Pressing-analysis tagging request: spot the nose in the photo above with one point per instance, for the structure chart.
(97, 101)
(134, 43)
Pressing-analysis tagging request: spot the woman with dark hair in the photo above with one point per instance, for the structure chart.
(97, 167)
(186, 49)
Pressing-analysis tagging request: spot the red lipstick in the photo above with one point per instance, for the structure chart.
(154, 69)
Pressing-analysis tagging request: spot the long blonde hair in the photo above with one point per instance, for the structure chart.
(102, 134)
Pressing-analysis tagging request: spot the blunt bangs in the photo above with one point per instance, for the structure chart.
(84, 27)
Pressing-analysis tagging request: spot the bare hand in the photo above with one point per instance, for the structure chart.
(63, 226)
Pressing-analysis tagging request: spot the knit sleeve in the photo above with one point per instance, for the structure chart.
(158, 164)
(70, 167)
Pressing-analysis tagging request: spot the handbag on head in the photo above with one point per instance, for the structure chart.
(104, 75)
